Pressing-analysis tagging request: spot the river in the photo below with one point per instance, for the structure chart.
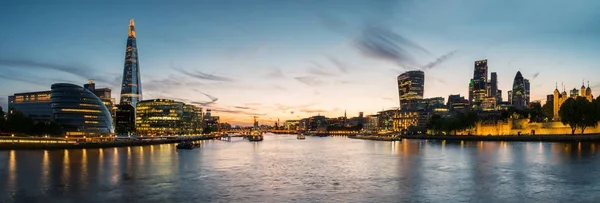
(329, 169)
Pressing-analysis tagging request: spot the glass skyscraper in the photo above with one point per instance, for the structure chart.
(131, 88)
(519, 94)
(479, 81)
(410, 89)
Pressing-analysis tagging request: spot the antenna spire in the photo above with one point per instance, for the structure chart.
(131, 28)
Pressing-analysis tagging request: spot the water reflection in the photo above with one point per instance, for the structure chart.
(282, 168)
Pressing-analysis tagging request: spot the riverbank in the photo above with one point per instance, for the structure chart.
(92, 145)
(522, 138)
(376, 138)
(508, 138)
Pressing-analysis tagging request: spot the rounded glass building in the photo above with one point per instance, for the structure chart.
(79, 111)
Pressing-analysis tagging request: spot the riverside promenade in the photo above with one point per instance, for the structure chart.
(509, 138)
(26, 143)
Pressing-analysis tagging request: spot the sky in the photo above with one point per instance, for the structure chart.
(284, 59)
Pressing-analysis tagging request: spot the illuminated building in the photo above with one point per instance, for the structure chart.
(104, 94)
(519, 91)
(397, 120)
(124, 119)
(35, 105)
(410, 89)
(79, 111)
(167, 117)
(131, 87)
(499, 97)
(192, 119)
(211, 123)
(560, 98)
(510, 97)
(370, 125)
(489, 104)
(291, 124)
(527, 91)
(457, 103)
(478, 86)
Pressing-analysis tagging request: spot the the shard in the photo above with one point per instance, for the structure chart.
(131, 88)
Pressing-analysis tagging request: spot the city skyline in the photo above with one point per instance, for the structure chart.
(261, 65)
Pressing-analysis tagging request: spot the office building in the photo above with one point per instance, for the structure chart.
(410, 89)
(125, 119)
(104, 94)
(159, 117)
(131, 87)
(79, 112)
(478, 86)
(36, 105)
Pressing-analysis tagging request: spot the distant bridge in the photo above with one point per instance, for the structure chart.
(247, 131)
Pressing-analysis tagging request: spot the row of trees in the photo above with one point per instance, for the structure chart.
(458, 122)
(19, 123)
(580, 113)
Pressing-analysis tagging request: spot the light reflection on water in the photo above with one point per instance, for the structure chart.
(281, 169)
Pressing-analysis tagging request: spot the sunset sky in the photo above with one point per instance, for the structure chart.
(293, 59)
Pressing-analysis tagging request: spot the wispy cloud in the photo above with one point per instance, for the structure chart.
(341, 66)
(275, 73)
(382, 43)
(439, 60)
(77, 70)
(318, 70)
(204, 76)
(333, 23)
(310, 80)
(213, 99)
(535, 75)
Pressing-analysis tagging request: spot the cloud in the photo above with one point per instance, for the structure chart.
(312, 110)
(275, 73)
(286, 107)
(382, 43)
(309, 80)
(439, 60)
(333, 23)
(243, 107)
(213, 99)
(204, 76)
(341, 66)
(318, 70)
(77, 70)
(535, 75)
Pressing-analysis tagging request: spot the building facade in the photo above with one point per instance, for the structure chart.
(125, 119)
(159, 117)
(36, 105)
(131, 87)
(79, 112)
(478, 86)
(560, 98)
(410, 89)
(519, 92)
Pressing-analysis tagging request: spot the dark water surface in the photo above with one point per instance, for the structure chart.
(283, 169)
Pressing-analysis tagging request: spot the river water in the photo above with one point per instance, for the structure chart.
(330, 169)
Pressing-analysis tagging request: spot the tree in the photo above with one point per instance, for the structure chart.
(548, 110)
(39, 128)
(568, 114)
(18, 122)
(587, 109)
(53, 128)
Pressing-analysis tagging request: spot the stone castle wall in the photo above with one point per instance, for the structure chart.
(513, 127)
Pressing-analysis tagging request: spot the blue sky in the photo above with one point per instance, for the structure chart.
(293, 59)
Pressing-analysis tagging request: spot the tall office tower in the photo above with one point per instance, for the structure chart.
(519, 93)
(510, 96)
(479, 81)
(410, 89)
(499, 96)
(527, 92)
(493, 85)
(131, 88)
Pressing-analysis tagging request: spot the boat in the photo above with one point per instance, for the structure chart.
(300, 136)
(185, 145)
(256, 135)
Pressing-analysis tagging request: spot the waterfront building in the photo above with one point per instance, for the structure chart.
(36, 105)
(560, 98)
(291, 124)
(370, 125)
(124, 119)
(410, 89)
(131, 87)
(210, 123)
(489, 104)
(499, 97)
(519, 92)
(105, 95)
(159, 117)
(80, 113)
(192, 119)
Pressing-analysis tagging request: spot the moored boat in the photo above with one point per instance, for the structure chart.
(301, 136)
(185, 145)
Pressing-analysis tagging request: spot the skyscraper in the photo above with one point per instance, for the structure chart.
(519, 93)
(131, 88)
(410, 89)
(527, 92)
(493, 85)
(479, 81)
